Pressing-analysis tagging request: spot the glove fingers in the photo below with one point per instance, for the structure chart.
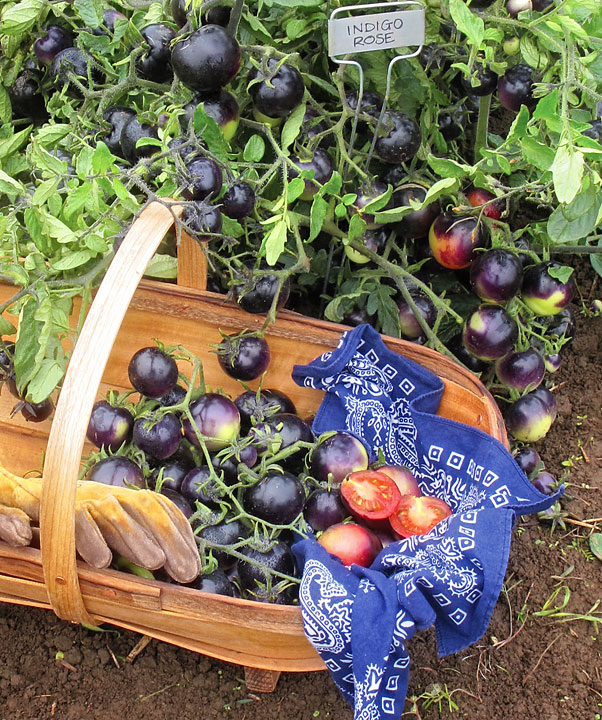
(23, 493)
(171, 531)
(126, 536)
(89, 541)
(14, 527)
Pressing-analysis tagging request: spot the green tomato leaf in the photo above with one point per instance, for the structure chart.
(6, 327)
(357, 227)
(164, 267)
(90, 11)
(529, 51)
(561, 273)
(333, 185)
(441, 187)
(20, 18)
(6, 111)
(319, 208)
(567, 173)
(45, 189)
(254, 149)
(50, 135)
(292, 126)
(9, 186)
(340, 210)
(102, 158)
(231, 228)
(206, 128)
(519, 124)
(468, 22)
(379, 202)
(295, 189)
(47, 376)
(294, 3)
(26, 344)
(77, 199)
(275, 241)
(445, 167)
(537, 153)
(57, 229)
(10, 145)
(547, 107)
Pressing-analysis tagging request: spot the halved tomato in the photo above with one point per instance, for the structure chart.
(418, 515)
(370, 495)
(403, 477)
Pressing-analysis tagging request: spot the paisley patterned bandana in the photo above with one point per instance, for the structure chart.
(359, 619)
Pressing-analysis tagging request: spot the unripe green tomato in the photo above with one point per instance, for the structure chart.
(356, 256)
(511, 46)
(260, 117)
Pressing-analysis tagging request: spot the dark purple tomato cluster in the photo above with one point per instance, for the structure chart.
(236, 467)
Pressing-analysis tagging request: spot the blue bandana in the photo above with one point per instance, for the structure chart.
(359, 619)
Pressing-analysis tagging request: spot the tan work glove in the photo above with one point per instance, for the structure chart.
(143, 526)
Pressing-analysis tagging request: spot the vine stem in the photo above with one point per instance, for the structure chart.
(480, 142)
(235, 16)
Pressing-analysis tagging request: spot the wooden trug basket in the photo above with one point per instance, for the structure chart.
(265, 639)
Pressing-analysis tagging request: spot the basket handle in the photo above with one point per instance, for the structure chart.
(78, 394)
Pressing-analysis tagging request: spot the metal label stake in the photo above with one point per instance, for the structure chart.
(370, 32)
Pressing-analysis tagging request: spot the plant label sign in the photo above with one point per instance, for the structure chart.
(377, 31)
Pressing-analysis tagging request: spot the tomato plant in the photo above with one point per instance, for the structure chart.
(490, 137)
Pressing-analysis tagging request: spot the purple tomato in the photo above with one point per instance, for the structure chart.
(335, 456)
(515, 88)
(546, 288)
(399, 138)
(257, 405)
(109, 426)
(410, 327)
(243, 357)
(496, 275)
(278, 557)
(323, 509)
(278, 498)
(521, 371)
(118, 471)
(161, 438)
(489, 333)
(226, 532)
(527, 459)
(216, 419)
(529, 418)
(545, 482)
(172, 474)
(152, 372)
(49, 45)
(200, 485)
(454, 238)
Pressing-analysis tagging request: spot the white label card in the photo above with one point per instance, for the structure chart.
(378, 31)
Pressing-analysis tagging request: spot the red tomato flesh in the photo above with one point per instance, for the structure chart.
(370, 495)
(418, 515)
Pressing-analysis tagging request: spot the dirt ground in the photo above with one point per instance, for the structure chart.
(527, 666)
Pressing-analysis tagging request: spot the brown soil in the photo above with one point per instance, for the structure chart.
(527, 666)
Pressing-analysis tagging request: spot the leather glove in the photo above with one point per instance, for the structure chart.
(143, 526)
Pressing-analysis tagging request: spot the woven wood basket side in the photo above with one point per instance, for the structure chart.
(78, 393)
